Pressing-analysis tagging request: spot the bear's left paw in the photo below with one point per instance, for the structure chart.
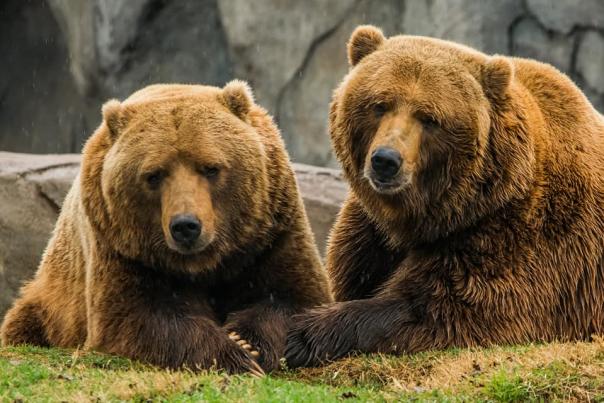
(320, 335)
(261, 349)
(244, 344)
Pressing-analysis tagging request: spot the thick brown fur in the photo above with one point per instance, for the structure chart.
(113, 279)
(493, 232)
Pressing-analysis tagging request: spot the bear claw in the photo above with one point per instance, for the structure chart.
(244, 344)
(256, 370)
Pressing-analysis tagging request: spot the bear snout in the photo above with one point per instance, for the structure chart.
(185, 229)
(385, 163)
(385, 172)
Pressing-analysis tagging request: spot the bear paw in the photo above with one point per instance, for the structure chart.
(236, 360)
(320, 335)
(244, 344)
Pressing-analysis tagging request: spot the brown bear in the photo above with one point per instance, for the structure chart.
(476, 210)
(184, 225)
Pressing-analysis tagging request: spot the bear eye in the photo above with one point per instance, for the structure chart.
(154, 178)
(428, 122)
(209, 172)
(380, 110)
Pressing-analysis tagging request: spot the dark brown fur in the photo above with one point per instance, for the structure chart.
(496, 232)
(113, 280)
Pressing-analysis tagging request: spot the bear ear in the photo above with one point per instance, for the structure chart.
(496, 76)
(238, 97)
(364, 40)
(113, 117)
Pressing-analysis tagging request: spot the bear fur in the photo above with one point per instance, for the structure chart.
(114, 279)
(492, 230)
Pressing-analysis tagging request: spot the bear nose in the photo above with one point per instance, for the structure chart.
(385, 162)
(185, 228)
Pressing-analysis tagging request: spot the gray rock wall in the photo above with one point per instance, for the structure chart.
(32, 188)
(63, 58)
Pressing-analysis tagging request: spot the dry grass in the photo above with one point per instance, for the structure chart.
(570, 371)
(547, 372)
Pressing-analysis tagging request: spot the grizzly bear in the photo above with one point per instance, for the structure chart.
(184, 241)
(476, 210)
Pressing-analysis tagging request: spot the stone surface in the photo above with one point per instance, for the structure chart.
(304, 107)
(41, 109)
(115, 30)
(563, 16)
(118, 46)
(530, 40)
(77, 23)
(480, 24)
(323, 191)
(65, 58)
(32, 188)
(176, 41)
(269, 39)
(590, 60)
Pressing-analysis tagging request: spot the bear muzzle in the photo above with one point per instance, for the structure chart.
(385, 164)
(186, 234)
(384, 171)
(185, 228)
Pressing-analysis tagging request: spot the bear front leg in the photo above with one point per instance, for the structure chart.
(144, 315)
(23, 325)
(261, 330)
(170, 342)
(289, 280)
(328, 333)
(358, 259)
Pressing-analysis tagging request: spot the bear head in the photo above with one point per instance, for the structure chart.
(420, 126)
(176, 175)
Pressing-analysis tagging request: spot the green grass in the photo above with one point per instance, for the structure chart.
(548, 372)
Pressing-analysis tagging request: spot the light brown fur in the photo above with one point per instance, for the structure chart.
(491, 232)
(114, 279)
